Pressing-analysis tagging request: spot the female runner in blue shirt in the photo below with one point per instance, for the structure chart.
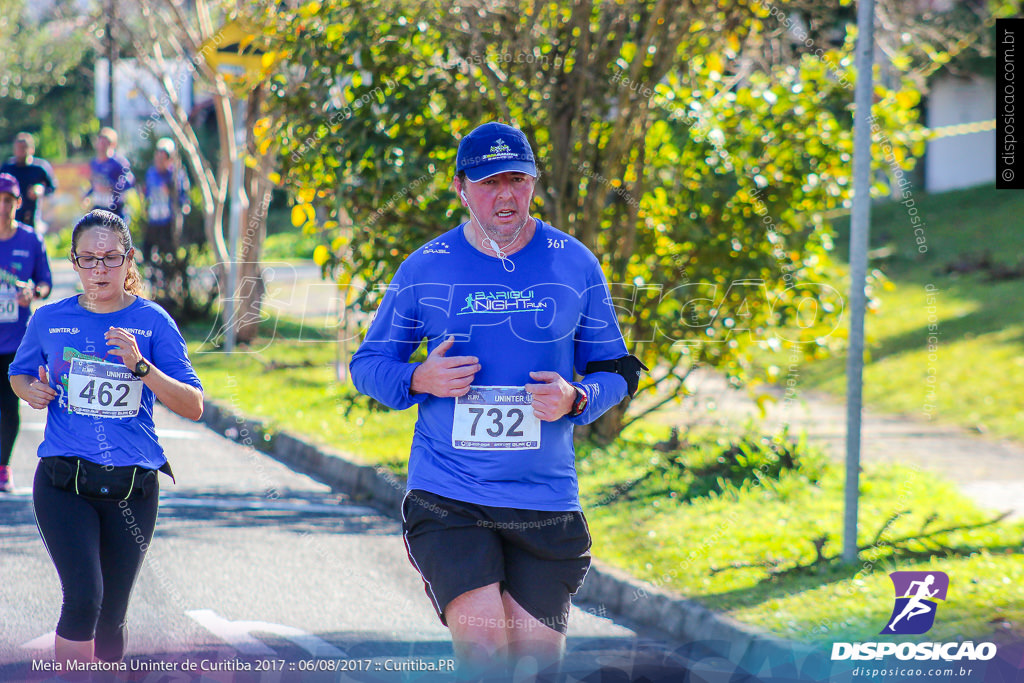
(96, 361)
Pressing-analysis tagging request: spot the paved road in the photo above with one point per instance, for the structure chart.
(253, 562)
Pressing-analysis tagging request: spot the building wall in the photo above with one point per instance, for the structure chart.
(964, 160)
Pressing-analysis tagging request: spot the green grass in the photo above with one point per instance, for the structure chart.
(288, 379)
(672, 518)
(978, 365)
(58, 244)
(288, 246)
(685, 545)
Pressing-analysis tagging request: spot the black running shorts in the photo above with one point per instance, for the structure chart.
(540, 558)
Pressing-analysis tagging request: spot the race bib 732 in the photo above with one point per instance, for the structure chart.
(495, 418)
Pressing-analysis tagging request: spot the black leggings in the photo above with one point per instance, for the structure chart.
(10, 421)
(97, 547)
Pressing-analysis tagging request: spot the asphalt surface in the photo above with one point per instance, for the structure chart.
(256, 565)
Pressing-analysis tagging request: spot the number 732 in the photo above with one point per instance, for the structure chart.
(497, 416)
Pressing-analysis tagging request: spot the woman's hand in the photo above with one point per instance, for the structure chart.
(125, 346)
(183, 399)
(36, 392)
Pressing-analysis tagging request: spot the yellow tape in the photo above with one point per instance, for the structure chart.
(960, 129)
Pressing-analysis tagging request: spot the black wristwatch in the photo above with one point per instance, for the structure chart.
(579, 405)
(142, 368)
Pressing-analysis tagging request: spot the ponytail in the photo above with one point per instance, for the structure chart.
(133, 283)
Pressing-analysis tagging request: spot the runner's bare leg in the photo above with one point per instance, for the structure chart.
(476, 620)
(530, 641)
(65, 651)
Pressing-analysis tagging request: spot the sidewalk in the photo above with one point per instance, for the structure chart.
(990, 471)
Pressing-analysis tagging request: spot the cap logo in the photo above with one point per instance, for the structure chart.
(499, 150)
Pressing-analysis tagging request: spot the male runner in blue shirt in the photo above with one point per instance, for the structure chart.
(167, 203)
(34, 175)
(510, 307)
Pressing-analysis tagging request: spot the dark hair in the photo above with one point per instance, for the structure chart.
(98, 218)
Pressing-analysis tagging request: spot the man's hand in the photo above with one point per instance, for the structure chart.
(445, 377)
(553, 398)
(25, 295)
(35, 191)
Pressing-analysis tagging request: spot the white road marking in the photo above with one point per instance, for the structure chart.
(238, 634)
(43, 642)
(160, 432)
(262, 504)
(25, 494)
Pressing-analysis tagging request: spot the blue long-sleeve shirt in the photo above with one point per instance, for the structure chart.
(553, 312)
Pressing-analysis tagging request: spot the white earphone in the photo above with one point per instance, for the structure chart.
(507, 264)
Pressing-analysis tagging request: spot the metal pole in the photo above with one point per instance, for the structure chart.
(860, 225)
(111, 46)
(231, 303)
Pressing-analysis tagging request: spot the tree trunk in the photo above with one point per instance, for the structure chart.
(251, 286)
(253, 231)
(606, 428)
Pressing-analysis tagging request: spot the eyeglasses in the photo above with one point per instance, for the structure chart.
(90, 262)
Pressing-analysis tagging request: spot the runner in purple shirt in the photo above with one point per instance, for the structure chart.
(24, 275)
(110, 175)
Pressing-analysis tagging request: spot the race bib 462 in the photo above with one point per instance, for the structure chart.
(103, 389)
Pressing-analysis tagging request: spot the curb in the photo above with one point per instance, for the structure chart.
(611, 588)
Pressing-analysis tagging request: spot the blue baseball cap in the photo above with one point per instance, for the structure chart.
(494, 148)
(9, 184)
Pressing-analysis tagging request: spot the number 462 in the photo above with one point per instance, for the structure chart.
(103, 395)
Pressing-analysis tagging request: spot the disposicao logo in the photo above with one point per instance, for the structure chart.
(917, 594)
(913, 613)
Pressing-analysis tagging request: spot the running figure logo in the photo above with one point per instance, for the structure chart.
(916, 596)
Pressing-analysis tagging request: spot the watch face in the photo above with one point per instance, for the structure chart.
(141, 368)
(580, 404)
